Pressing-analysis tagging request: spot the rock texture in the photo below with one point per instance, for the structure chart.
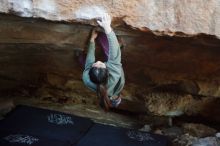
(188, 140)
(169, 75)
(172, 17)
(174, 105)
(190, 65)
(198, 130)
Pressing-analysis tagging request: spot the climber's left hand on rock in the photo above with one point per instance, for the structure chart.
(105, 23)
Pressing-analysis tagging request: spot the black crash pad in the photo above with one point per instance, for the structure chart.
(103, 135)
(20, 139)
(46, 123)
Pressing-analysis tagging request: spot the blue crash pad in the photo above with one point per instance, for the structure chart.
(20, 139)
(103, 135)
(46, 123)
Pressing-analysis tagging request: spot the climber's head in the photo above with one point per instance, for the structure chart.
(98, 73)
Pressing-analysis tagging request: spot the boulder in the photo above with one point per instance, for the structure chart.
(184, 18)
(198, 130)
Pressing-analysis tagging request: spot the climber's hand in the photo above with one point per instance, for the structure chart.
(105, 23)
(94, 35)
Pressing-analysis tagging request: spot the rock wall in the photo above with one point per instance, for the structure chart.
(169, 75)
(173, 17)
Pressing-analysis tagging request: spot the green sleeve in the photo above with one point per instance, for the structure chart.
(116, 75)
(114, 49)
(90, 59)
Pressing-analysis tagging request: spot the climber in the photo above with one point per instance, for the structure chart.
(105, 78)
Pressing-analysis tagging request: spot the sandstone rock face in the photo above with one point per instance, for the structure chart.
(160, 16)
(198, 130)
(186, 140)
(169, 75)
(166, 76)
(174, 105)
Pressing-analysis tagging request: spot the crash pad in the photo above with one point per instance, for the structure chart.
(104, 135)
(21, 139)
(46, 123)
